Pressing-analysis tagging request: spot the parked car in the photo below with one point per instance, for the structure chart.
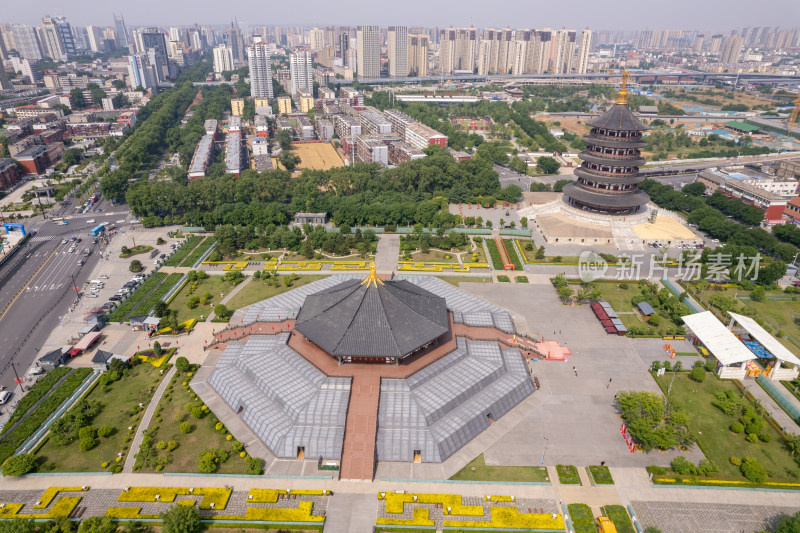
(92, 295)
(4, 397)
(103, 276)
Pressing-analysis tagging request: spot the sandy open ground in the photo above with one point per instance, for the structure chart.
(664, 228)
(317, 156)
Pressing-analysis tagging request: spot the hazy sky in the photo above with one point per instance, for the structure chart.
(596, 14)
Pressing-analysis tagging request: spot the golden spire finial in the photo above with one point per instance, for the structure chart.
(622, 95)
(372, 278)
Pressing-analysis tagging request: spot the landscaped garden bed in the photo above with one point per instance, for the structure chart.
(198, 252)
(180, 254)
(568, 475)
(478, 470)
(618, 515)
(147, 304)
(16, 437)
(729, 429)
(125, 308)
(601, 475)
(184, 436)
(582, 518)
(95, 434)
(35, 394)
(136, 250)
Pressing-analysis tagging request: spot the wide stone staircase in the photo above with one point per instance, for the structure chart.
(625, 238)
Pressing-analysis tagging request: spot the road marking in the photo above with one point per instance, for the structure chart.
(10, 304)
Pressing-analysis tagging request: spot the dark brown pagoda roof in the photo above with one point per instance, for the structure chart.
(618, 117)
(621, 161)
(373, 318)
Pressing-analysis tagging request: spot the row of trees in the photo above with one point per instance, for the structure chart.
(364, 194)
(145, 142)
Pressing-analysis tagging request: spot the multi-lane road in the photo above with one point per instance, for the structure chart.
(36, 285)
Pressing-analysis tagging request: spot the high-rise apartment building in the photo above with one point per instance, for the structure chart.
(260, 72)
(698, 42)
(493, 51)
(223, 58)
(154, 44)
(233, 38)
(458, 49)
(731, 50)
(716, 44)
(418, 44)
(140, 72)
(582, 51)
(397, 50)
(563, 51)
(122, 31)
(26, 42)
(59, 41)
(331, 40)
(316, 39)
(368, 52)
(95, 38)
(300, 72)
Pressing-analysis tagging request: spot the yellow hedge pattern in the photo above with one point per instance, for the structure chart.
(217, 496)
(511, 518)
(52, 492)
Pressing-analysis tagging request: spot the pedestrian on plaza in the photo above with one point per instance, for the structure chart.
(576, 373)
(609, 382)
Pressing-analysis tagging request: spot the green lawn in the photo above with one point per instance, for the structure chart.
(203, 435)
(180, 254)
(709, 426)
(619, 298)
(467, 257)
(582, 518)
(568, 475)
(215, 285)
(136, 250)
(435, 256)
(118, 403)
(619, 516)
(601, 475)
(258, 290)
(455, 280)
(483, 472)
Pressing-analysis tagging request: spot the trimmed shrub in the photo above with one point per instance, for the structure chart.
(753, 470)
(735, 461)
(698, 374)
(105, 431)
(186, 427)
(737, 427)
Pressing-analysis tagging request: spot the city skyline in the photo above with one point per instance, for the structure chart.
(714, 14)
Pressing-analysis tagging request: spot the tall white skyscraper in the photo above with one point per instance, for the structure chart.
(582, 54)
(300, 72)
(122, 31)
(369, 51)
(95, 38)
(27, 42)
(418, 54)
(316, 39)
(397, 46)
(563, 52)
(223, 58)
(260, 72)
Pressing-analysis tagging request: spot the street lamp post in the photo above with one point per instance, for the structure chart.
(541, 462)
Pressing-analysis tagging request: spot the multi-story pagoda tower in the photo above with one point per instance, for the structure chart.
(609, 176)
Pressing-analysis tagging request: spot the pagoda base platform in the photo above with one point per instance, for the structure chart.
(560, 223)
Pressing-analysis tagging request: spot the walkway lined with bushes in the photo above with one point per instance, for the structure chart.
(130, 459)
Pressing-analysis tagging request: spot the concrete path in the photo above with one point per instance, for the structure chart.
(145, 423)
(387, 253)
(230, 295)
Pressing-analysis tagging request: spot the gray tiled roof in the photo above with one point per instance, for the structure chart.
(618, 117)
(448, 403)
(391, 319)
(285, 400)
(466, 309)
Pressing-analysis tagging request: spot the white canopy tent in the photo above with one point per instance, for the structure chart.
(731, 353)
(773, 345)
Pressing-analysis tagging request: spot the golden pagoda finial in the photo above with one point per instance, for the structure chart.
(372, 278)
(622, 95)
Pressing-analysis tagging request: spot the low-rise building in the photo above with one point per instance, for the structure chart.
(303, 128)
(128, 118)
(284, 105)
(202, 158)
(52, 136)
(315, 219)
(305, 101)
(259, 145)
(324, 129)
(34, 160)
(32, 111)
(422, 136)
(372, 121)
(261, 163)
(401, 152)
(772, 204)
(399, 120)
(354, 97)
(235, 124)
(326, 93)
(233, 154)
(9, 173)
(237, 107)
(282, 123)
(371, 150)
(789, 169)
(262, 126)
(263, 107)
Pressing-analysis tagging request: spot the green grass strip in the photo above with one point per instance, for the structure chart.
(121, 312)
(36, 393)
(153, 298)
(14, 439)
(494, 255)
(198, 252)
(179, 255)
